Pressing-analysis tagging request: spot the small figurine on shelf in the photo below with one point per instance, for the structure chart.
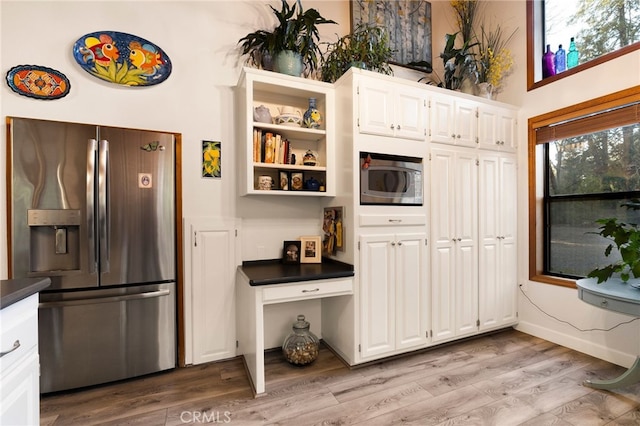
(312, 117)
(310, 158)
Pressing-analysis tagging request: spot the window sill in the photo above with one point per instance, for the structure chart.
(549, 279)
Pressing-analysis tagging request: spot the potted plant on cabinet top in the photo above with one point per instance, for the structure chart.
(293, 43)
(626, 238)
(367, 47)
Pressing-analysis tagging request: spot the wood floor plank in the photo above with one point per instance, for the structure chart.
(594, 408)
(478, 371)
(435, 410)
(508, 411)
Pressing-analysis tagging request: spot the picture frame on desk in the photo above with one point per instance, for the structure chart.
(291, 252)
(311, 249)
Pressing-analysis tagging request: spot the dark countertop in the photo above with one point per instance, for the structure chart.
(12, 291)
(265, 272)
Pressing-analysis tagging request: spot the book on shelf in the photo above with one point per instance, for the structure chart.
(270, 148)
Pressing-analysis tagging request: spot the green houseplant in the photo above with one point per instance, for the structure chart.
(626, 239)
(367, 47)
(295, 36)
(457, 61)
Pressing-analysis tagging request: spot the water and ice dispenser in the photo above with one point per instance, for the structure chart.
(54, 240)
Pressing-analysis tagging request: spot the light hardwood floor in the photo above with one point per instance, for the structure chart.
(505, 378)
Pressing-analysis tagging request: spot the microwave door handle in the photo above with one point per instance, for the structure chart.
(90, 205)
(103, 205)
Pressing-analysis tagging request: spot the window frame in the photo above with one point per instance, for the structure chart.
(536, 174)
(535, 43)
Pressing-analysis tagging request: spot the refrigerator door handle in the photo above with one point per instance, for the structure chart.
(106, 299)
(91, 200)
(103, 205)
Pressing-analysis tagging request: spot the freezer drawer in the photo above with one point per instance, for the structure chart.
(98, 336)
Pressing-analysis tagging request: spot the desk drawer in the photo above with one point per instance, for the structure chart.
(609, 303)
(307, 290)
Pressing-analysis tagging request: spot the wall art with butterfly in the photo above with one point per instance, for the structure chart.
(211, 159)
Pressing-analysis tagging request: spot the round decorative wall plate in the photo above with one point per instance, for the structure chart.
(38, 82)
(122, 58)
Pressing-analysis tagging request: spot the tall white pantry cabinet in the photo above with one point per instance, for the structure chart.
(464, 235)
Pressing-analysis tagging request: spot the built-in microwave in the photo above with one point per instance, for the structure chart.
(390, 179)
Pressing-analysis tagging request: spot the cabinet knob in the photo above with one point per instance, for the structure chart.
(393, 243)
(400, 243)
(458, 136)
(459, 239)
(604, 303)
(453, 135)
(392, 127)
(398, 127)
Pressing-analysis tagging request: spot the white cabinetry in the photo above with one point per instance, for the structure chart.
(210, 267)
(274, 90)
(497, 236)
(19, 363)
(454, 261)
(453, 120)
(392, 109)
(497, 128)
(394, 311)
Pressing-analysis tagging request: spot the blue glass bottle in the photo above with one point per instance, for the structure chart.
(561, 60)
(573, 55)
(548, 63)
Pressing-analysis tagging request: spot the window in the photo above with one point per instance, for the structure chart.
(584, 164)
(603, 30)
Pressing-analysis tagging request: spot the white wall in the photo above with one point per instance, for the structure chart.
(197, 100)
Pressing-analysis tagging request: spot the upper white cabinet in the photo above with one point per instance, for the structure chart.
(392, 109)
(453, 120)
(394, 292)
(266, 147)
(497, 128)
(497, 228)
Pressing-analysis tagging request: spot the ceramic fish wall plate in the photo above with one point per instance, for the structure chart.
(38, 82)
(122, 58)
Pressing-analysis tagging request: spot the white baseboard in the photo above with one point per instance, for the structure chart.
(585, 346)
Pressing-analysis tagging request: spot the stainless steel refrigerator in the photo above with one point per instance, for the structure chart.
(93, 208)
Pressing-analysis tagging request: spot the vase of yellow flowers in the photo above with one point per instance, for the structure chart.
(493, 61)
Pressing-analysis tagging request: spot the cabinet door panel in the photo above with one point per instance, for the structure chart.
(212, 272)
(376, 108)
(20, 392)
(507, 131)
(411, 114)
(377, 295)
(443, 292)
(442, 196)
(411, 290)
(466, 192)
(441, 120)
(466, 293)
(466, 127)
